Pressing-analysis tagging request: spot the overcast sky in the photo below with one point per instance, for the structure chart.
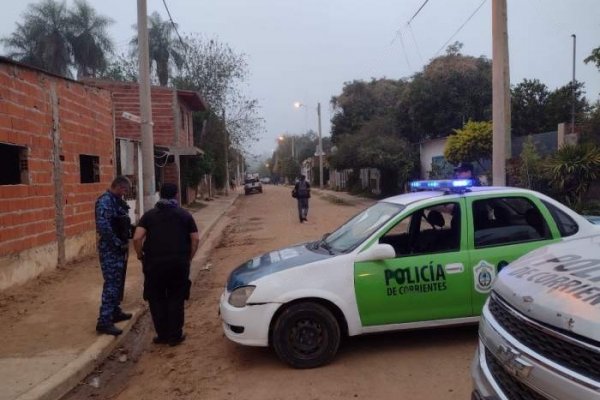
(304, 50)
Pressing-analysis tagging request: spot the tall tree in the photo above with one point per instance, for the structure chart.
(89, 40)
(591, 127)
(529, 100)
(395, 158)
(594, 57)
(451, 90)
(362, 102)
(214, 69)
(219, 73)
(121, 68)
(42, 39)
(165, 48)
(560, 102)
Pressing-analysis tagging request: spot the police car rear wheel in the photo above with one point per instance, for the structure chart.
(306, 335)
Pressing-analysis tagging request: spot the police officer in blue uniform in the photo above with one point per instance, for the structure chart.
(112, 227)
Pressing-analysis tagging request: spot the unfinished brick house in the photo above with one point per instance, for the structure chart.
(56, 157)
(173, 133)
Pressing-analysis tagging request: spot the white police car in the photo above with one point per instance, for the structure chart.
(421, 259)
(539, 335)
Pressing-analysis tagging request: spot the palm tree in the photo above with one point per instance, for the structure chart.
(24, 45)
(42, 38)
(164, 46)
(572, 170)
(89, 40)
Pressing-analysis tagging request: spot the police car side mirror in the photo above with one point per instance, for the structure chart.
(378, 251)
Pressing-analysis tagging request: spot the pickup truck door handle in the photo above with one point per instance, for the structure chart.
(454, 268)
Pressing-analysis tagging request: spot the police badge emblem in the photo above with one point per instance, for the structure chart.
(484, 275)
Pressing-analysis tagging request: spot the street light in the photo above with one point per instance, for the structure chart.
(573, 87)
(281, 138)
(298, 104)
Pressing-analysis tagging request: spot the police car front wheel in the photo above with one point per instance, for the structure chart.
(306, 335)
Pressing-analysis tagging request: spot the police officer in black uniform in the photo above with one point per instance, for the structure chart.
(166, 240)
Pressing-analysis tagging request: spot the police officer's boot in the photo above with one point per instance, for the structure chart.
(119, 316)
(108, 329)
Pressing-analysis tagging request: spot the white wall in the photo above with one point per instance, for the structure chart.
(430, 149)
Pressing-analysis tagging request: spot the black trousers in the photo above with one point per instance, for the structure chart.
(166, 287)
(302, 208)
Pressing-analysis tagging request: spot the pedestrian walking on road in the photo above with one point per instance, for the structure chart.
(113, 227)
(165, 240)
(301, 193)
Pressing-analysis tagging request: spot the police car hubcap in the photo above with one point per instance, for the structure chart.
(306, 336)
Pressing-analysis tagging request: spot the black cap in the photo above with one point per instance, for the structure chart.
(464, 166)
(168, 191)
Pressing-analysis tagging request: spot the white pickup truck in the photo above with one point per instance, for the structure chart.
(252, 184)
(539, 334)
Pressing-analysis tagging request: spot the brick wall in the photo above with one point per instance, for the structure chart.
(30, 215)
(170, 173)
(126, 98)
(86, 128)
(26, 211)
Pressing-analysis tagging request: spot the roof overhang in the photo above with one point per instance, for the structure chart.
(193, 99)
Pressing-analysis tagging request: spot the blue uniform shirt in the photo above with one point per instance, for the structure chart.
(107, 208)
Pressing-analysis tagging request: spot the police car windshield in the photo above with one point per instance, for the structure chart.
(361, 226)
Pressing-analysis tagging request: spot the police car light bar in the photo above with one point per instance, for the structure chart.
(450, 185)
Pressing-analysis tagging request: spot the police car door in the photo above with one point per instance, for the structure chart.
(501, 229)
(427, 279)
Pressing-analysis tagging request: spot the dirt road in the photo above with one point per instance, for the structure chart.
(426, 364)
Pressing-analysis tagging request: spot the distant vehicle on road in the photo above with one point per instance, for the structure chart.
(252, 184)
(266, 180)
(421, 259)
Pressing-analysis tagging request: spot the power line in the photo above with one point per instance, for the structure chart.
(398, 34)
(404, 50)
(173, 23)
(460, 28)
(415, 42)
(418, 11)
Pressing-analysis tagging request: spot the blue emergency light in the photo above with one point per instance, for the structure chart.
(447, 185)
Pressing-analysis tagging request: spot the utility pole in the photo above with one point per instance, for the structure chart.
(573, 87)
(226, 135)
(500, 93)
(239, 163)
(145, 108)
(320, 147)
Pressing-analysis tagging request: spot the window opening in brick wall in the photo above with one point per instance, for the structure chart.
(13, 165)
(90, 168)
